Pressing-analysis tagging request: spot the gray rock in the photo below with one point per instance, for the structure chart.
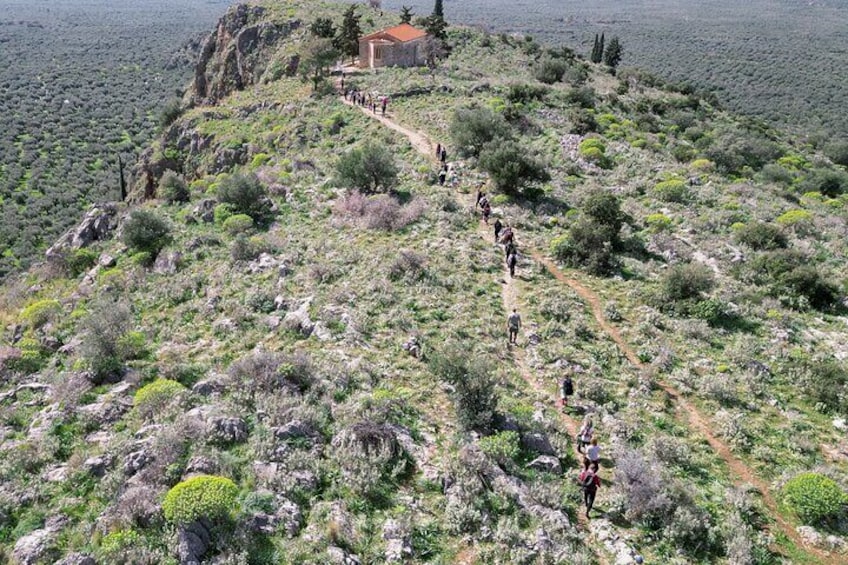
(96, 225)
(168, 263)
(106, 411)
(98, 465)
(273, 322)
(205, 210)
(298, 320)
(225, 429)
(839, 424)
(105, 260)
(56, 474)
(292, 430)
(398, 541)
(136, 461)
(264, 262)
(77, 559)
(208, 387)
(224, 326)
(546, 463)
(537, 443)
(201, 465)
(193, 541)
(34, 548)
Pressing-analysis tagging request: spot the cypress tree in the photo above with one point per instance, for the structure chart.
(347, 40)
(438, 9)
(594, 55)
(600, 49)
(406, 15)
(435, 23)
(612, 55)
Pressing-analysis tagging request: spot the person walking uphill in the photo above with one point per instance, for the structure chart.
(513, 324)
(384, 102)
(511, 262)
(589, 482)
(566, 389)
(498, 226)
(584, 436)
(593, 453)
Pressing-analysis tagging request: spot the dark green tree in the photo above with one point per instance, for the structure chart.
(439, 10)
(323, 27)
(317, 57)
(435, 23)
(612, 54)
(510, 166)
(593, 56)
(347, 38)
(369, 168)
(406, 15)
(600, 49)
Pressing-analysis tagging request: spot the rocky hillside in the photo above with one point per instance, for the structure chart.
(257, 362)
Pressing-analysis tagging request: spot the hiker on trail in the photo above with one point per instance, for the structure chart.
(566, 389)
(511, 261)
(443, 157)
(438, 151)
(498, 226)
(481, 197)
(443, 173)
(487, 211)
(342, 83)
(589, 482)
(513, 324)
(509, 249)
(384, 103)
(507, 236)
(584, 436)
(593, 453)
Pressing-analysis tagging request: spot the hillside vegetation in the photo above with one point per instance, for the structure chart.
(291, 347)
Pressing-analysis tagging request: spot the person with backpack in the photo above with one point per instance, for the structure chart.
(566, 389)
(507, 236)
(498, 226)
(509, 249)
(511, 261)
(443, 174)
(487, 210)
(513, 324)
(589, 482)
(584, 436)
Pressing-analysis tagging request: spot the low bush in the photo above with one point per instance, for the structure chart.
(474, 387)
(382, 212)
(503, 447)
(246, 195)
(79, 261)
(407, 265)
(38, 313)
(789, 277)
(173, 188)
(151, 399)
(642, 485)
(262, 372)
(238, 224)
(686, 282)
(204, 496)
(830, 182)
(369, 168)
(825, 382)
(815, 498)
(672, 190)
(762, 236)
(525, 93)
(102, 329)
(510, 166)
(472, 128)
(146, 232)
(837, 151)
(549, 70)
(658, 222)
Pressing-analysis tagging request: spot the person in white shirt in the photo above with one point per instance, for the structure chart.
(593, 452)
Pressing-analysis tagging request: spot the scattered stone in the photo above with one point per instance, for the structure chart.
(321, 331)
(201, 465)
(298, 320)
(839, 424)
(168, 263)
(77, 559)
(224, 326)
(106, 260)
(56, 474)
(546, 463)
(398, 541)
(293, 430)
(96, 225)
(537, 442)
(34, 548)
(225, 429)
(273, 322)
(136, 461)
(208, 387)
(97, 465)
(205, 210)
(193, 541)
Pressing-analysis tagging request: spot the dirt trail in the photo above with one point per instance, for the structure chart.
(686, 410)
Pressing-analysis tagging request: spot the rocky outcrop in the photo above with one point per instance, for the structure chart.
(97, 224)
(236, 53)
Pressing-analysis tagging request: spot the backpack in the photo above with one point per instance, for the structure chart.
(567, 387)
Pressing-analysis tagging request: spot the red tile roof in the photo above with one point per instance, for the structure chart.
(402, 33)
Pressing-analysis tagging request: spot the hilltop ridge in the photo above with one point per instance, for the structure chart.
(259, 360)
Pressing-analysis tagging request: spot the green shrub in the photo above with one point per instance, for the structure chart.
(79, 261)
(40, 312)
(583, 96)
(837, 151)
(204, 496)
(582, 121)
(142, 258)
(830, 182)
(132, 345)
(368, 168)
(604, 207)
(247, 195)
(474, 393)
(762, 236)
(146, 232)
(503, 447)
(711, 311)
(151, 399)
(222, 212)
(472, 128)
(105, 324)
(237, 224)
(588, 244)
(658, 222)
(825, 382)
(672, 190)
(815, 498)
(687, 281)
(173, 188)
(795, 218)
(525, 93)
(170, 112)
(510, 167)
(114, 545)
(549, 70)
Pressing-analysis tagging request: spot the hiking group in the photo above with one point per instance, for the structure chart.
(366, 100)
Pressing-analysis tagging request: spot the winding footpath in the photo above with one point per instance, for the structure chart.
(686, 410)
